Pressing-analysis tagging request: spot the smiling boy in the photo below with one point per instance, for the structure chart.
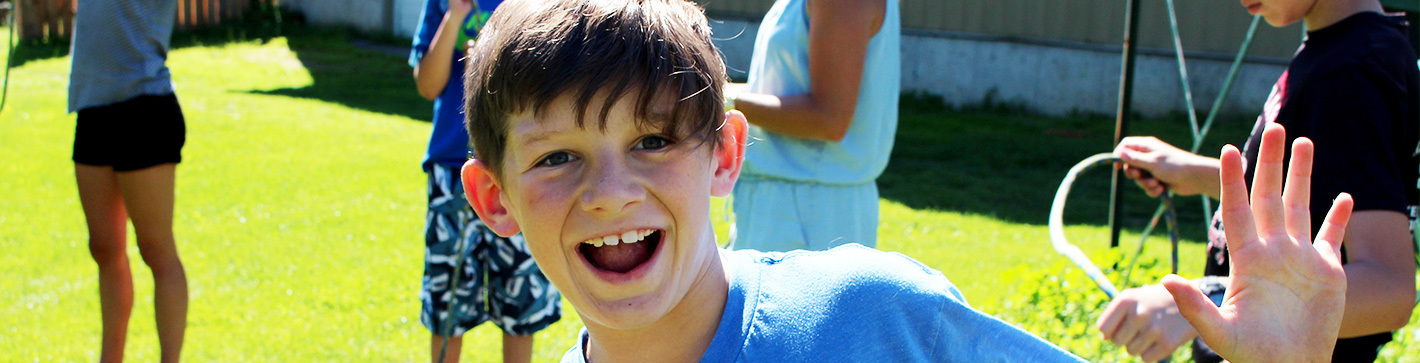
(600, 136)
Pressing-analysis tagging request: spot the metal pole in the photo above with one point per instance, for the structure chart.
(1121, 120)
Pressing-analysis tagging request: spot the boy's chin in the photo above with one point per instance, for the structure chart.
(627, 315)
(1278, 21)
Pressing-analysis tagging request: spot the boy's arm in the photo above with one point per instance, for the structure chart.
(431, 75)
(1350, 112)
(838, 47)
(1286, 297)
(1380, 270)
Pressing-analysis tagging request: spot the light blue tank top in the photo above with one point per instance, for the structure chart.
(781, 67)
(119, 51)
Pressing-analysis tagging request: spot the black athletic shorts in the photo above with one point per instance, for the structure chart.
(141, 132)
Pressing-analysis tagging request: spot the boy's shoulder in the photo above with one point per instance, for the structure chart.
(1360, 44)
(853, 303)
(847, 282)
(836, 305)
(843, 268)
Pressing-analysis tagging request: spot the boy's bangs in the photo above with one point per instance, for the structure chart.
(656, 51)
(615, 52)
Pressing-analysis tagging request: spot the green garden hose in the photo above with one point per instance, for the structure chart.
(1073, 253)
(10, 57)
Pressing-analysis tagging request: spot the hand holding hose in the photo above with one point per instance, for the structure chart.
(1157, 167)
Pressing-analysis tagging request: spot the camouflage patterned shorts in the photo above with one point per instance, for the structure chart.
(497, 280)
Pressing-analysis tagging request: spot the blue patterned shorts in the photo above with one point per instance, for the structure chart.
(497, 280)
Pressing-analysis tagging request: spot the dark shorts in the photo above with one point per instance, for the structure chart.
(485, 277)
(141, 132)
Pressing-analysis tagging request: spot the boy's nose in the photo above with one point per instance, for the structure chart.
(612, 189)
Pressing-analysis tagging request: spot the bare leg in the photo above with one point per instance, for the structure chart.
(451, 355)
(107, 221)
(148, 194)
(517, 349)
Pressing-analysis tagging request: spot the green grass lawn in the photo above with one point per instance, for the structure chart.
(300, 207)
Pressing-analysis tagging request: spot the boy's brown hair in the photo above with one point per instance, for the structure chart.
(533, 51)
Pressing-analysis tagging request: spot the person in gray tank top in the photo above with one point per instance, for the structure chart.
(128, 141)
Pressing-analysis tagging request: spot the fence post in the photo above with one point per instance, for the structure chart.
(30, 26)
(1121, 121)
(66, 13)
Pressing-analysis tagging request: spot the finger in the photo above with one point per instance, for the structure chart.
(1130, 144)
(1109, 321)
(1194, 306)
(1150, 186)
(1155, 191)
(1157, 352)
(1333, 229)
(1267, 181)
(1132, 172)
(1134, 158)
(1232, 200)
(1298, 193)
(1143, 341)
(1127, 331)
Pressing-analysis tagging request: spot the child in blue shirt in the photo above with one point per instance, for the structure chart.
(600, 136)
(497, 279)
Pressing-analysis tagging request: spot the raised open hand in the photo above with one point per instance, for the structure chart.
(1286, 296)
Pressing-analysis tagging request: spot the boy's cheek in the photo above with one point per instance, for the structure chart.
(553, 268)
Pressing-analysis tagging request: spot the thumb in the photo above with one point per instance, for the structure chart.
(1197, 308)
(1135, 158)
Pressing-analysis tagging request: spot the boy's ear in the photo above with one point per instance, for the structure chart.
(486, 196)
(731, 154)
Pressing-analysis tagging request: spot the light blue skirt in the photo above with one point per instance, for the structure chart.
(778, 215)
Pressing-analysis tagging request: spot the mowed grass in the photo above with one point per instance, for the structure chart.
(300, 209)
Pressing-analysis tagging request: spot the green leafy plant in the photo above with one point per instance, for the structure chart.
(1058, 303)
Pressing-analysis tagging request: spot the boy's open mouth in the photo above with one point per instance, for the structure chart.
(621, 253)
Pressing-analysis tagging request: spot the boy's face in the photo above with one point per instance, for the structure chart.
(569, 189)
(1279, 13)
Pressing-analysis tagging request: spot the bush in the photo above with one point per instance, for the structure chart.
(1058, 303)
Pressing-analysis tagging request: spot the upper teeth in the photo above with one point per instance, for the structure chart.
(626, 237)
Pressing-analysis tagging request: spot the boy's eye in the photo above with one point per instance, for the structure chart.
(653, 142)
(557, 158)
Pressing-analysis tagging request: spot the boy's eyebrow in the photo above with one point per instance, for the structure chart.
(537, 136)
(658, 117)
(531, 132)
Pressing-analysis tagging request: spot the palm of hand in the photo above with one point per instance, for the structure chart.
(1271, 299)
(1287, 295)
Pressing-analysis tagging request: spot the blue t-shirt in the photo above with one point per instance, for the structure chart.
(448, 142)
(854, 304)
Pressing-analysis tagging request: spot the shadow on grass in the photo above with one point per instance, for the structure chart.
(356, 77)
(1007, 164)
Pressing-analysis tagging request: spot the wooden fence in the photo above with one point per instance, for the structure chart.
(55, 18)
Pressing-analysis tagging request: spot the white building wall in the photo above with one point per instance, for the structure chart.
(1052, 78)
(406, 17)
